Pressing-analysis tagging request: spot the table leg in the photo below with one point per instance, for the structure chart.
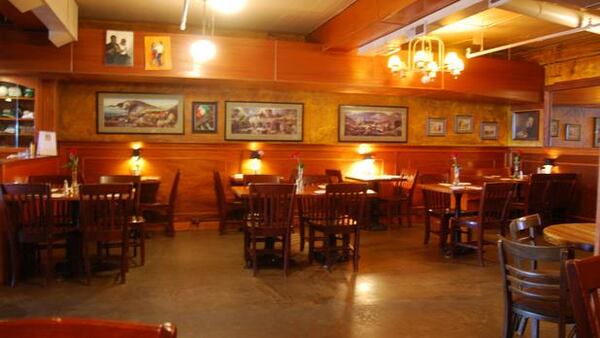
(373, 211)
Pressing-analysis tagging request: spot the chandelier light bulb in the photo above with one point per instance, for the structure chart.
(203, 50)
(396, 65)
(227, 6)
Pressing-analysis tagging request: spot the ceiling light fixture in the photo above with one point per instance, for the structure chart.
(227, 6)
(204, 49)
(426, 55)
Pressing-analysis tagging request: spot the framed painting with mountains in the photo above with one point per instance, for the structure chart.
(373, 124)
(133, 113)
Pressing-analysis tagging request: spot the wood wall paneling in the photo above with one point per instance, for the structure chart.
(32, 52)
(20, 170)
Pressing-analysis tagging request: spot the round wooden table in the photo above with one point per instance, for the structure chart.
(578, 235)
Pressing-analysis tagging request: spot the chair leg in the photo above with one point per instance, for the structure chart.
(326, 246)
(302, 234)
(254, 256)
(508, 328)
(311, 244)
(142, 232)
(427, 229)
(286, 252)
(87, 264)
(480, 246)
(48, 265)
(444, 224)
(409, 213)
(356, 251)
(124, 257)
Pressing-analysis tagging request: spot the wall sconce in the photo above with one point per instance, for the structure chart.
(256, 158)
(547, 167)
(136, 161)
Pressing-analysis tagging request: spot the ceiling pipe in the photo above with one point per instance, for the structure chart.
(588, 27)
(552, 12)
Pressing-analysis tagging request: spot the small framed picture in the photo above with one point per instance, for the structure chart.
(526, 125)
(463, 124)
(436, 126)
(157, 50)
(204, 117)
(572, 132)
(554, 128)
(596, 132)
(118, 48)
(489, 130)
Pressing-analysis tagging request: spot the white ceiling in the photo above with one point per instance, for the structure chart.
(273, 16)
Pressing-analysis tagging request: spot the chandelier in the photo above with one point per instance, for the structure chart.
(426, 55)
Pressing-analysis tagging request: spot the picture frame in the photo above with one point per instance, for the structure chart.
(436, 126)
(264, 121)
(204, 117)
(572, 132)
(118, 48)
(463, 124)
(554, 128)
(157, 53)
(526, 125)
(372, 123)
(488, 130)
(139, 113)
(596, 142)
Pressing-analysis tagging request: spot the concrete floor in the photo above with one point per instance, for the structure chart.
(198, 282)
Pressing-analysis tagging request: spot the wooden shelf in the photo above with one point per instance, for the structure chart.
(14, 134)
(16, 98)
(14, 119)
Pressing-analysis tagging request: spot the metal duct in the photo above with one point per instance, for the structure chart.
(554, 13)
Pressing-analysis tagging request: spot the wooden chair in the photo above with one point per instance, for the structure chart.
(437, 205)
(313, 180)
(402, 195)
(560, 197)
(231, 213)
(137, 227)
(434, 178)
(30, 223)
(535, 198)
(105, 212)
(336, 218)
(309, 181)
(532, 293)
(584, 283)
(62, 211)
(163, 213)
(335, 175)
(90, 328)
(269, 221)
(261, 179)
(493, 212)
(526, 229)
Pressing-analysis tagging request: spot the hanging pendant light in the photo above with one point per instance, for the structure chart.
(202, 50)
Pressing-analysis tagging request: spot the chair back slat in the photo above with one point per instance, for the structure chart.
(525, 229)
(494, 205)
(219, 193)
(560, 192)
(345, 204)
(136, 181)
(313, 180)
(536, 194)
(584, 284)
(105, 207)
(271, 205)
(434, 200)
(335, 175)
(174, 189)
(30, 208)
(525, 282)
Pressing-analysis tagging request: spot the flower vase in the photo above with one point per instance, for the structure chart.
(300, 181)
(456, 172)
(74, 182)
(516, 171)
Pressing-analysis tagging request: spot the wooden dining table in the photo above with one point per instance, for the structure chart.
(578, 235)
(456, 191)
(243, 191)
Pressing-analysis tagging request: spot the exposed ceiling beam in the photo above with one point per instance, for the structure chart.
(59, 16)
(367, 20)
(23, 21)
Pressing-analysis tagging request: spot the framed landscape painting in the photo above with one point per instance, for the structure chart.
(526, 125)
(372, 124)
(596, 132)
(132, 113)
(463, 124)
(263, 121)
(489, 130)
(436, 126)
(204, 117)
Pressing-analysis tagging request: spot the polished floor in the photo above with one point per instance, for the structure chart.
(198, 281)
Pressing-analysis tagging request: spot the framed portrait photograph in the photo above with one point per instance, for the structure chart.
(526, 125)
(572, 132)
(157, 53)
(463, 124)
(263, 121)
(554, 128)
(137, 113)
(436, 126)
(489, 130)
(118, 48)
(372, 124)
(204, 117)
(596, 142)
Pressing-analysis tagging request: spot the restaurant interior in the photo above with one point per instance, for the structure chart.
(331, 168)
